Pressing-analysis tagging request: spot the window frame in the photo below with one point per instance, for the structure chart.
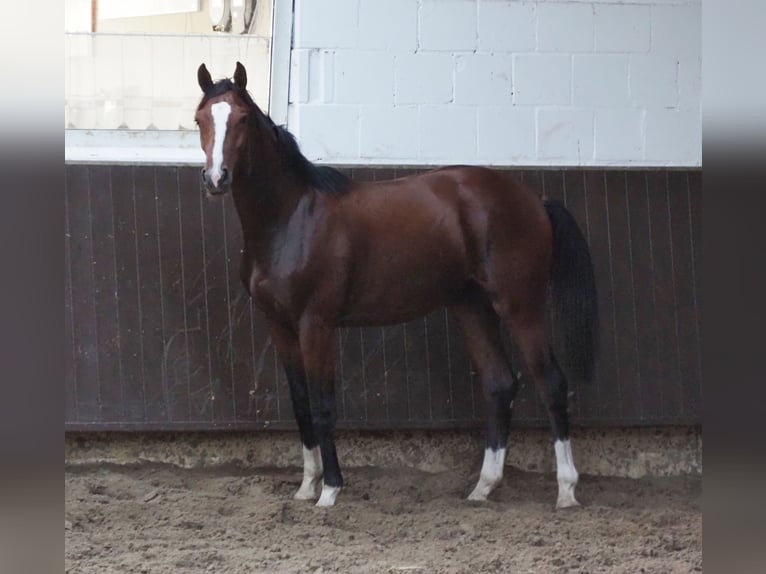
(175, 147)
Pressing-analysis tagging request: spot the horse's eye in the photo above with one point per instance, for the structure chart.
(243, 120)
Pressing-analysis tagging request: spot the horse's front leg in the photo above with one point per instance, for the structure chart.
(316, 340)
(288, 346)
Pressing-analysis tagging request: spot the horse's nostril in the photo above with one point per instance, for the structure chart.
(224, 175)
(203, 174)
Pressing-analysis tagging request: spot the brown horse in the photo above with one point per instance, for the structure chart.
(322, 251)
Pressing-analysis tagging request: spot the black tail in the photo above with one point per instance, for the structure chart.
(575, 302)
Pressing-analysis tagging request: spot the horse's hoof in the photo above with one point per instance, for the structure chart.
(305, 494)
(329, 494)
(567, 503)
(566, 497)
(308, 489)
(473, 497)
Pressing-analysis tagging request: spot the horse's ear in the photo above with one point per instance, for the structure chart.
(204, 79)
(240, 76)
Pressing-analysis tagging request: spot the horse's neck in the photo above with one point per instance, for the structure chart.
(265, 202)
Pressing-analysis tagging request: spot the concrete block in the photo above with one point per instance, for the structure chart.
(619, 135)
(299, 77)
(448, 25)
(623, 28)
(677, 30)
(321, 76)
(483, 79)
(600, 80)
(364, 77)
(506, 27)
(564, 27)
(653, 81)
(327, 132)
(292, 117)
(565, 134)
(674, 136)
(447, 133)
(423, 78)
(388, 132)
(506, 134)
(326, 24)
(390, 25)
(690, 83)
(542, 79)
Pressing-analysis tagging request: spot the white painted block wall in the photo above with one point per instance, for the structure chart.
(567, 82)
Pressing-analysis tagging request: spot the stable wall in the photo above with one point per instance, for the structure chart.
(160, 336)
(573, 82)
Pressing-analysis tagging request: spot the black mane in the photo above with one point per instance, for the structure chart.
(323, 178)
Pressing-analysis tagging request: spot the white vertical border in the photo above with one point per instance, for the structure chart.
(281, 49)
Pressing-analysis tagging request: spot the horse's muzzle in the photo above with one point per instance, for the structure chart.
(216, 185)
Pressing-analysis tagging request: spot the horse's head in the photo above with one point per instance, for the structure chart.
(224, 118)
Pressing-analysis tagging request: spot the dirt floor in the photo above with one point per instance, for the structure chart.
(157, 519)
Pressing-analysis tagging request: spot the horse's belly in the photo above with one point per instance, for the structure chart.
(397, 298)
(364, 317)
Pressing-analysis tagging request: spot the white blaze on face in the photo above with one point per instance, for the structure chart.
(220, 111)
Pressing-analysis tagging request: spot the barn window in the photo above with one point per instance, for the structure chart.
(131, 68)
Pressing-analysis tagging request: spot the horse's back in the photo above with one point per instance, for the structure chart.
(463, 186)
(457, 209)
(417, 242)
(493, 205)
(451, 183)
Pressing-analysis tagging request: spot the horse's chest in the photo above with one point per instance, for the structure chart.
(269, 293)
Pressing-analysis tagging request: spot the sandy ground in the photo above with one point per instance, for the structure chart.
(156, 519)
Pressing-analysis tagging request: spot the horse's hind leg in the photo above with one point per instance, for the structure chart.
(481, 330)
(288, 347)
(527, 327)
